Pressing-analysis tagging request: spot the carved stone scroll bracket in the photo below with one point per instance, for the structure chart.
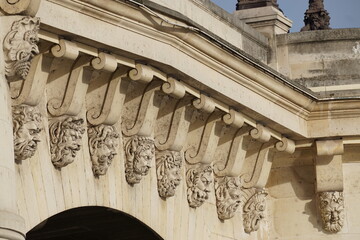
(104, 62)
(74, 93)
(198, 180)
(331, 208)
(261, 133)
(147, 112)
(208, 142)
(65, 139)
(32, 88)
(233, 165)
(174, 88)
(286, 145)
(103, 141)
(180, 123)
(329, 183)
(258, 162)
(168, 172)
(142, 73)
(204, 103)
(113, 100)
(65, 49)
(20, 46)
(17, 7)
(140, 153)
(228, 196)
(234, 119)
(253, 209)
(26, 129)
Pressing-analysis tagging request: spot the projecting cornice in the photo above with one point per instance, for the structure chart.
(229, 76)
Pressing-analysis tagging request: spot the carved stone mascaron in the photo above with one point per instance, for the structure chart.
(103, 141)
(20, 46)
(26, 129)
(227, 192)
(254, 210)
(198, 179)
(140, 152)
(332, 210)
(65, 140)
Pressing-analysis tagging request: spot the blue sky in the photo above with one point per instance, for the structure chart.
(343, 13)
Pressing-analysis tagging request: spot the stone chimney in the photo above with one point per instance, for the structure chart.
(316, 17)
(266, 17)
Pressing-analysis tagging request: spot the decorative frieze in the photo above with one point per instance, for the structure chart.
(65, 140)
(168, 170)
(26, 129)
(253, 209)
(140, 152)
(103, 141)
(198, 179)
(331, 206)
(227, 192)
(20, 46)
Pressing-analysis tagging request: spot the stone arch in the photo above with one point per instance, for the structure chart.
(92, 223)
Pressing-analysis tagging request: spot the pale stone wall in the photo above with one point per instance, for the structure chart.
(327, 62)
(293, 208)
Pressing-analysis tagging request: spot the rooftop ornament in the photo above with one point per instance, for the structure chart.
(316, 17)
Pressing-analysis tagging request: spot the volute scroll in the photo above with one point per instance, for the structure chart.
(286, 145)
(65, 49)
(208, 143)
(204, 103)
(234, 119)
(104, 62)
(174, 88)
(142, 73)
(261, 133)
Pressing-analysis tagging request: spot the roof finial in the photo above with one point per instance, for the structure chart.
(316, 17)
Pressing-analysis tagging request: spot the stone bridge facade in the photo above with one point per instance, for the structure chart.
(144, 108)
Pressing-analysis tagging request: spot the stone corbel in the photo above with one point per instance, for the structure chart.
(17, 7)
(329, 184)
(233, 166)
(109, 108)
(208, 143)
(72, 97)
(147, 112)
(180, 123)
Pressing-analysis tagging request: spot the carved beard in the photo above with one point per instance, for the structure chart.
(101, 166)
(68, 154)
(167, 186)
(197, 196)
(227, 209)
(333, 224)
(22, 65)
(24, 149)
(252, 223)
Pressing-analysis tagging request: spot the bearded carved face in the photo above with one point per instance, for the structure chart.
(227, 192)
(65, 136)
(20, 46)
(26, 129)
(332, 210)
(168, 166)
(198, 180)
(103, 141)
(254, 211)
(140, 152)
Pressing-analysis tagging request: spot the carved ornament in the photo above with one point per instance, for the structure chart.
(227, 192)
(316, 17)
(253, 209)
(198, 179)
(140, 152)
(26, 129)
(168, 170)
(20, 46)
(103, 141)
(331, 206)
(25, 7)
(208, 142)
(65, 140)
